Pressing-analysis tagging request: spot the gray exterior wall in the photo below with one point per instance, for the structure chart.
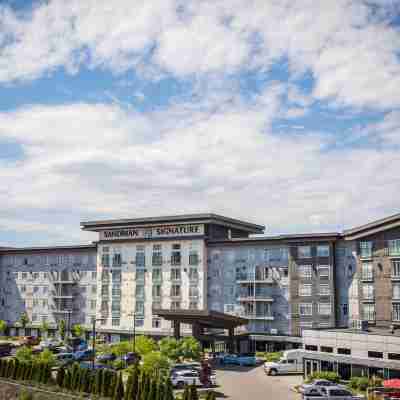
(47, 284)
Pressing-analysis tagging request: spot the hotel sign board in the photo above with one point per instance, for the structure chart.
(153, 232)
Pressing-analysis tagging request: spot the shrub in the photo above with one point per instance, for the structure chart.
(360, 383)
(328, 375)
(211, 396)
(119, 389)
(118, 364)
(25, 395)
(47, 357)
(60, 377)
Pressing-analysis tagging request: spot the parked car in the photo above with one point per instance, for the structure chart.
(5, 349)
(305, 387)
(235, 359)
(330, 393)
(186, 366)
(83, 355)
(104, 358)
(291, 362)
(185, 377)
(29, 341)
(131, 358)
(89, 365)
(77, 344)
(50, 344)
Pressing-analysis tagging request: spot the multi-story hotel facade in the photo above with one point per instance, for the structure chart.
(281, 285)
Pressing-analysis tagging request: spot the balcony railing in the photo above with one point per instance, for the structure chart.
(367, 276)
(257, 297)
(260, 316)
(249, 277)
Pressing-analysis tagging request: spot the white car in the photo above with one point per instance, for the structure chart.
(329, 393)
(185, 377)
(305, 387)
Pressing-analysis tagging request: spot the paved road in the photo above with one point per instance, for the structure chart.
(253, 384)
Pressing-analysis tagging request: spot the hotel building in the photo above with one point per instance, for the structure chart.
(281, 285)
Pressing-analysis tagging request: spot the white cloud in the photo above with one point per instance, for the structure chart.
(351, 52)
(83, 161)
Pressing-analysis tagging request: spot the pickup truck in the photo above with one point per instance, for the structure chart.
(291, 362)
(234, 359)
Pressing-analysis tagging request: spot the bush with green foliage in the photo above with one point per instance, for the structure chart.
(25, 395)
(361, 383)
(328, 375)
(156, 364)
(190, 348)
(46, 357)
(211, 396)
(24, 354)
(3, 327)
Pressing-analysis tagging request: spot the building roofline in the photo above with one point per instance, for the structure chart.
(47, 248)
(372, 227)
(292, 238)
(195, 218)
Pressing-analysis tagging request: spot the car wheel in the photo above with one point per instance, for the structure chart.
(273, 372)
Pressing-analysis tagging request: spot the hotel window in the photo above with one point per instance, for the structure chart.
(24, 275)
(94, 289)
(156, 291)
(396, 312)
(324, 308)
(115, 322)
(156, 258)
(175, 274)
(139, 307)
(139, 291)
(140, 256)
(156, 323)
(156, 305)
(367, 271)
(368, 291)
(94, 275)
(44, 303)
(176, 254)
(156, 275)
(116, 276)
(305, 309)
(92, 304)
(34, 317)
(175, 290)
(345, 309)
(139, 322)
(365, 249)
(304, 251)
(305, 290)
(193, 274)
(193, 305)
(323, 251)
(175, 305)
(117, 260)
(343, 350)
(35, 302)
(36, 289)
(369, 312)
(140, 274)
(193, 291)
(396, 268)
(105, 260)
(193, 257)
(305, 271)
(323, 271)
(116, 307)
(35, 275)
(394, 247)
(324, 290)
(396, 291)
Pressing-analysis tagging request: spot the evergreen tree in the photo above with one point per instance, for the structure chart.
(67, 380)
(83, 382)
(60, 376)
(145, 387)
(119, 389)
(113, 382)
(160, 390)
(138, 394)
(31, 371)
(193, 395)
(106, 383)
(153, 390)
(135, 384)
(168, 390)
(128, 387)
(96, 389)
(1, 368)
(186, 393)
(15, 369)
(211, 396)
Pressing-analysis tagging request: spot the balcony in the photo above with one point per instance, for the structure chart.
(61, 294)
(265, 317)
(257, 297)
(254, 278)
(367, 277)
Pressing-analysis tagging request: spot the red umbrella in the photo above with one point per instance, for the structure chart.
(392, 383)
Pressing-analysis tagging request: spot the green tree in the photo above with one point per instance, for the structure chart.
(78, 330)
(128, 387)
(3, 327)
(153, 390)
(24, 319)
(15, 369)
(67, 380)
(44, 328)
(145, 345)
(156, 363)
(62, 329)
(119, 389)
(186, 393)
(211, 396)
(47, 357)
(170, 348)
(96, 389)
(190, 348)
(24, 353)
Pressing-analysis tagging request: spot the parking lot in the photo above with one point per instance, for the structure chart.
(239, 383)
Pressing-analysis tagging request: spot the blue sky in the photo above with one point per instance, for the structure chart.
(282, 113)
